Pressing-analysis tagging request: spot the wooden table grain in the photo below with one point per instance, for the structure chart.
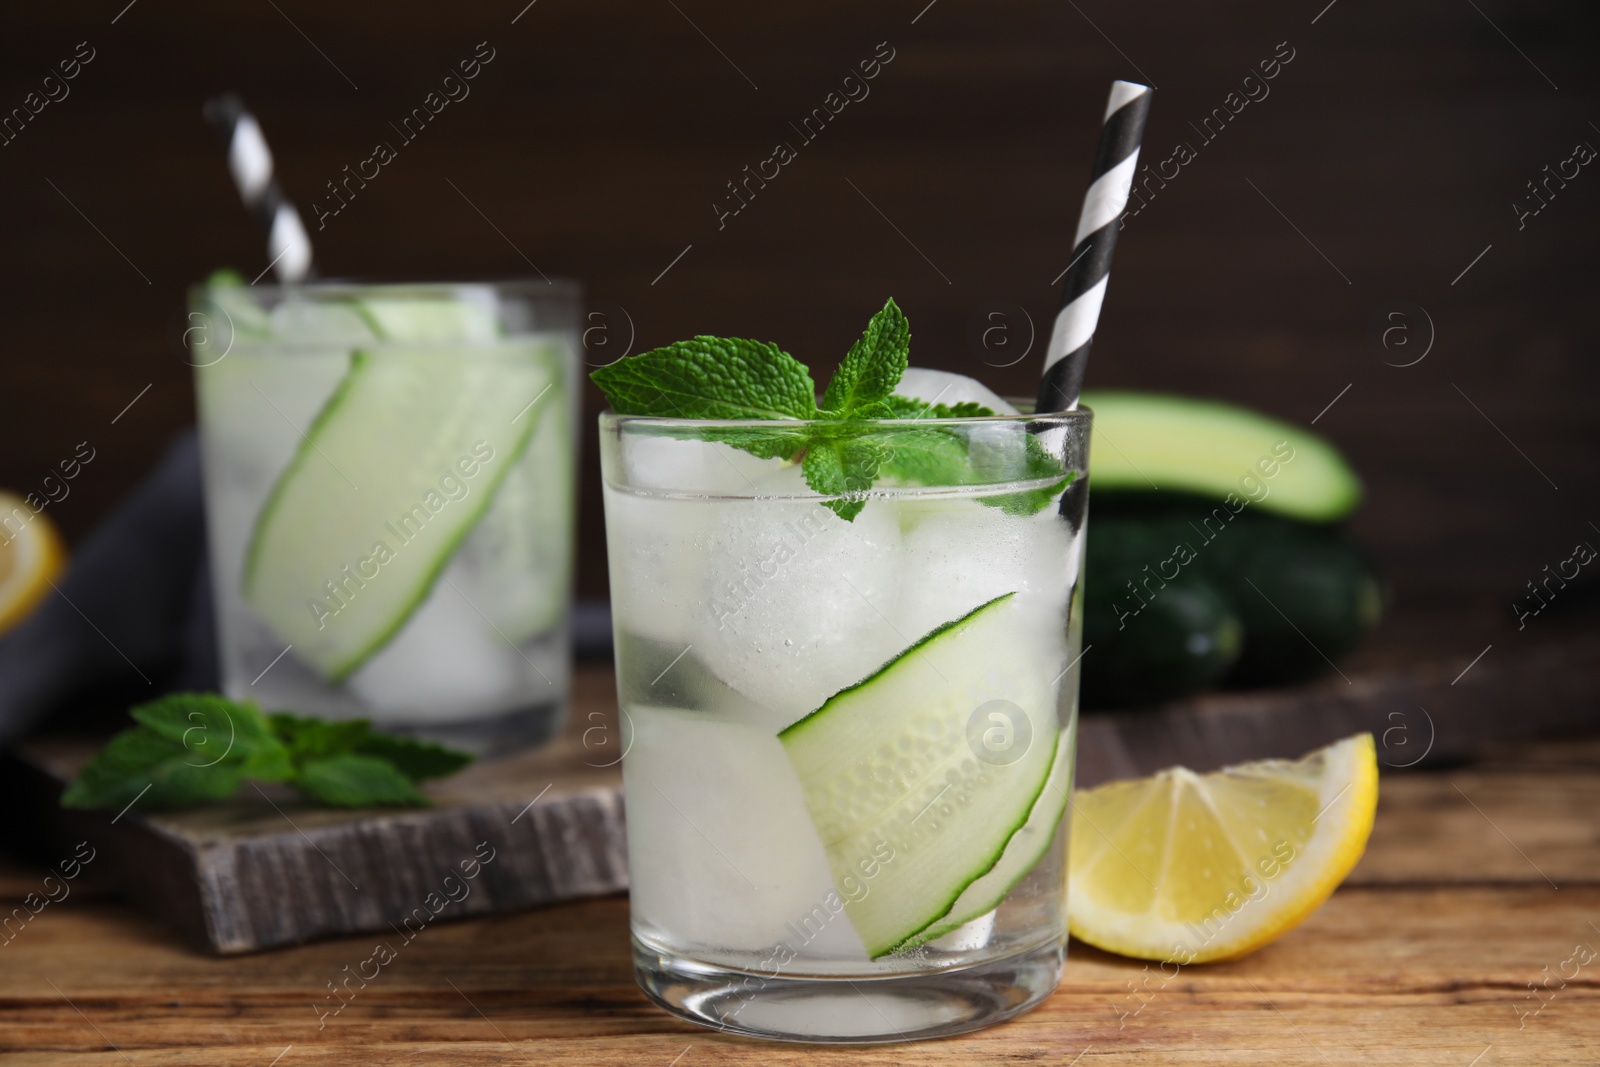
(1467, 937)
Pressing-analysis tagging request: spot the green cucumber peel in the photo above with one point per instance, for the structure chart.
(916, 646)
(1026, 846)
(362, 363)
(966, 858)
(845, 448)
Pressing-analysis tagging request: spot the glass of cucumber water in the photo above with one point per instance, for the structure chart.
(852, 713)
(389, 495)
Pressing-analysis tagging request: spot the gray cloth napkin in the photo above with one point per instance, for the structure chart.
(132, 617)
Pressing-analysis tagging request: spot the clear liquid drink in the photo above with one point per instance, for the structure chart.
(852, 742)
(389, 492)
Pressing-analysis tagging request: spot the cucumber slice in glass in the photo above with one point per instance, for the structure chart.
(236, 314)
(471, 315)
(303, 321)
(521, 549)
(901, 765)
(1026, 848)
(398, 467)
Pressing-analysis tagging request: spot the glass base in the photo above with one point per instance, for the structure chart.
(905, 1007)
(488, 735)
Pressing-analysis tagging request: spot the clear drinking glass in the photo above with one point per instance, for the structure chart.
(892, 867)
(389, 479)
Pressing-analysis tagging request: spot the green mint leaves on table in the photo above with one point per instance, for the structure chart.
(198, 748)
(846, 448)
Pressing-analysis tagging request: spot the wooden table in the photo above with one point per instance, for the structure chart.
(1478, 882)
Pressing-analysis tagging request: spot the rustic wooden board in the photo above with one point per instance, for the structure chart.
(1425, 962)
(265, 870)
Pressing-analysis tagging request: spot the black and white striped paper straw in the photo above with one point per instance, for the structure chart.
(1090, 268)
(250, 161)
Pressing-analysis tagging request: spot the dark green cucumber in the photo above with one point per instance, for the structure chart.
(1151, 639)
(1304, 603)
(1293, 593)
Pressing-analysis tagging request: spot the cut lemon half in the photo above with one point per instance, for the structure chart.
(31, 556)
(1191, 868)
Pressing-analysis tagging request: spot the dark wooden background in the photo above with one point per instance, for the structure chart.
(595, 143)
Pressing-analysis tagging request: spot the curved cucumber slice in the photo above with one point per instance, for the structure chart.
(226, 293)
(1026, 847)
(470, 316)
(1214, 449)
(379, 495)
(520, 552)
(907, 799)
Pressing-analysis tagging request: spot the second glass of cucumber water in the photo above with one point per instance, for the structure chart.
(853, 720)
(389, 483)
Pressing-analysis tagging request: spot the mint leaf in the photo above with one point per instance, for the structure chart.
(140, 764)
(909, 407)
(356, 781)
(843, 469)
(764, 444)
(309, 739)
(190, 748)
(872, 367)
(824, 473)
(414, 759)
(926, 456)
(217, 731)
(1032, 501)
(313, 739)
(846, 447)
(936, 455)
(197, 748)
(711, 378)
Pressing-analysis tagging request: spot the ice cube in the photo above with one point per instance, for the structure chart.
(446, 663)
(723, 852)
(467, 313)
(798, 601)
(946, 387)
(969, 937)
(656, 550)
(964, 554)
(515, 565)
(691, 467)
(319, 322)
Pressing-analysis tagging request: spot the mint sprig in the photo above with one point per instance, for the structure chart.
(872, 367)
(711, 378)
(845, 447)
(198, 748)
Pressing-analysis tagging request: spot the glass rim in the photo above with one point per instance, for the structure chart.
(554, 287)
(610, 418)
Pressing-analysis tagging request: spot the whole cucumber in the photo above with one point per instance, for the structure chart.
(1147, 640)
(1305, 603)
(1303, 594)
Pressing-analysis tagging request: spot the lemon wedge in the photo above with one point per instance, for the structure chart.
(31, 556)
(1191, 868)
